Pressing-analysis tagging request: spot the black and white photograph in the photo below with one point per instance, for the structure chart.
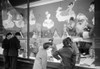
(49, 34)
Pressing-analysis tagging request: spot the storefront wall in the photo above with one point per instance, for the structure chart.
(50, 21)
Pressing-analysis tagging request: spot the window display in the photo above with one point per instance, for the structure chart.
(87, 53)
(73, 18)
(23, 50)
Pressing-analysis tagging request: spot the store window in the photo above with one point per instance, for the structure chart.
(55, 20)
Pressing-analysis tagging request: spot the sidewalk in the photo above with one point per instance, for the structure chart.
(1, 68)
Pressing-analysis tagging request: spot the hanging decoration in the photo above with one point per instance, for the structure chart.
(32, 18)
(65, 33)
(12, 19)
(65, 15)
(48, 22)
(56, 35)
(92, 7)
(19, 21)
(8, 23)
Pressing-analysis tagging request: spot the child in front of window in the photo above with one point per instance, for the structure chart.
(41, 57)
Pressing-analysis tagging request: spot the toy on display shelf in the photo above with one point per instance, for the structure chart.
(76, 39)
(23, 50)
(86, 49)
(34, 35)
(86, 34)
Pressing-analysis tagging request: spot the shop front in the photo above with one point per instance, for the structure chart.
(52, 19)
